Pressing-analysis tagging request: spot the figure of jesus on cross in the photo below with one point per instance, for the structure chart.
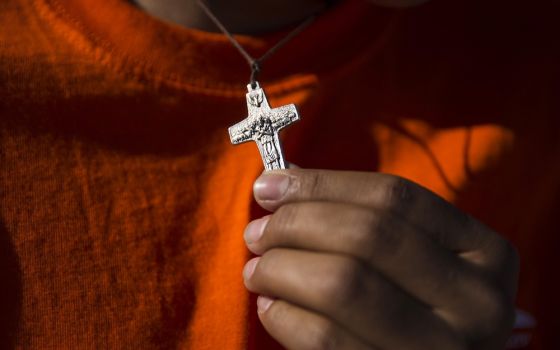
(262, 126)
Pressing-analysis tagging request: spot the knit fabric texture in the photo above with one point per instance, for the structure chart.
(122, 202)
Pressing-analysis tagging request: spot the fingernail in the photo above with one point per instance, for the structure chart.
(263, 303)
(255, 229)
(249, 268)
(270, 187)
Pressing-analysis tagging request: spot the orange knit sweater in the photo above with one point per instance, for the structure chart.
(122, 203)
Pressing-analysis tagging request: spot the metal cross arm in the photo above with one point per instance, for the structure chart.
(262, 126)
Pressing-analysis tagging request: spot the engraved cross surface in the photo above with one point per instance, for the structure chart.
(262, 126)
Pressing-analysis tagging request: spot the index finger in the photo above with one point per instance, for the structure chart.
(409, 201)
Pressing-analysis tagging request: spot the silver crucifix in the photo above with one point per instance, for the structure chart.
(262, 126)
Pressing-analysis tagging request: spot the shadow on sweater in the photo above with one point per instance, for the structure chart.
(10, 294)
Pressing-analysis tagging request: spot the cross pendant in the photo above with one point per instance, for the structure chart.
(262, 126)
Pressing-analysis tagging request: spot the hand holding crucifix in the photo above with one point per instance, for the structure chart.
(355, 261)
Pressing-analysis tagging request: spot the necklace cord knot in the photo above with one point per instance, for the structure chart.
(255, 71)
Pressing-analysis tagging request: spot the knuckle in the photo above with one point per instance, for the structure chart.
(381, 239)
(311, 184)
(494, 312)
(505, 253)
(325, 336)
(284, 218)
(343, 283)
(397, 192)
(499, 311)
(268, 263)
(361, 237)
(501, 260)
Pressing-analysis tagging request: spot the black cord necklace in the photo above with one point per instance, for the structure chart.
(263, 123)
(255, 63)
